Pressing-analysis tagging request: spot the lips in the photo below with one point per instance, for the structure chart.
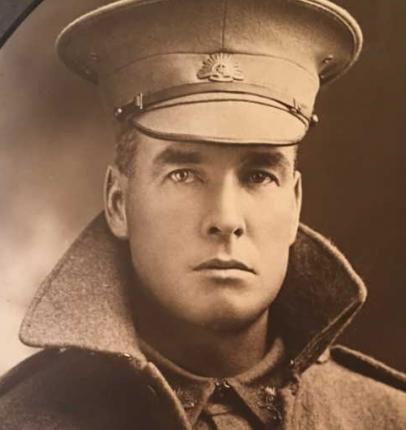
(217, 264)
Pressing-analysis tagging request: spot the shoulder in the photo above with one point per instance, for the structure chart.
(359, 388)
(360, 375)
(65, 366)
(26, 369)
(369, 367)
(58, 389)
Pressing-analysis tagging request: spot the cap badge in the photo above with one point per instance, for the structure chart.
(220, 67)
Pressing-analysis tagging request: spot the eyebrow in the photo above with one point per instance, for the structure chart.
(267, 159)
(256, 158)
(177, 156)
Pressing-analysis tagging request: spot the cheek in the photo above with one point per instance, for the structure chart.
(272, 220)
(272, 229)
(155, 214)
(160, 225)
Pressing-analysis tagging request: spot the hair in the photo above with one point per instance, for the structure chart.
(125, 149)
(297, 156)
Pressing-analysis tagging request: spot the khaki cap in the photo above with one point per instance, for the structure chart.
(237, 71)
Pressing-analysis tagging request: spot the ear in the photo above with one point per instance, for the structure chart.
(297, 204)
(115, 184)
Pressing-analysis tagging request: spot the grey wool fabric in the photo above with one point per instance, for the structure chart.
(92, 373)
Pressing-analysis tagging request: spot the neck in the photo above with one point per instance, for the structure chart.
(203, 351)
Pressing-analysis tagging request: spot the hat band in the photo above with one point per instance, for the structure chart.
(176, 75)
(147, 102)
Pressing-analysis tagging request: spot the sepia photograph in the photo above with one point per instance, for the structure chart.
(202, 218)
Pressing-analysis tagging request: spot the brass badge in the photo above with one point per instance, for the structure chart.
(220, 67)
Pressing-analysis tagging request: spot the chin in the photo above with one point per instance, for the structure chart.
(226, 316)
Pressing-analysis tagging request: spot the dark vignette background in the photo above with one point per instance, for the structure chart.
(54, 144)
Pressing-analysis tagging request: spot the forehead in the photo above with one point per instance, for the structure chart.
(160, 152)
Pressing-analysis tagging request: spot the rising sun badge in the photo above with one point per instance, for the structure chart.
(220, 67)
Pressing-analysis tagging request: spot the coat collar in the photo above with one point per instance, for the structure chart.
(84, 302)
(255, 387)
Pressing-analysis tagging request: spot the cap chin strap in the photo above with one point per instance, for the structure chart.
(147, 102)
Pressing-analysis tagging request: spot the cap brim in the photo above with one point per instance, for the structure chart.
(222, 119)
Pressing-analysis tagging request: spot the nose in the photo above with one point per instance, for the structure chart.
(224, 218)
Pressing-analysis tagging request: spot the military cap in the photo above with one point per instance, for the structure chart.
(233, 71)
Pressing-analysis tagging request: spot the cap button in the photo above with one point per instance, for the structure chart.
(328, 59)
(314, 120)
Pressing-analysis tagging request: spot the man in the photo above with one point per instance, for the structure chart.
(197, 300)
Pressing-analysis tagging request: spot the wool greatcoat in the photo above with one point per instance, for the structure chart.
(92, 374)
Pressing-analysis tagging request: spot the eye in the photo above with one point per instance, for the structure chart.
(184, 176)
(260, 177)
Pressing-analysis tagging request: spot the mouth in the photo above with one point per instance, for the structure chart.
(218, 264)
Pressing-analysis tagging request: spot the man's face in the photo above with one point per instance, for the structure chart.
(210, 226)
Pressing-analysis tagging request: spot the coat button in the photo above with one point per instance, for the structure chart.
(222, 386)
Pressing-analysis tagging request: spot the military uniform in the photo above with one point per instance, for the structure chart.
(95, 373)
(261, 62)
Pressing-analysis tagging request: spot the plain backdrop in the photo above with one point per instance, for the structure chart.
(55, 142)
